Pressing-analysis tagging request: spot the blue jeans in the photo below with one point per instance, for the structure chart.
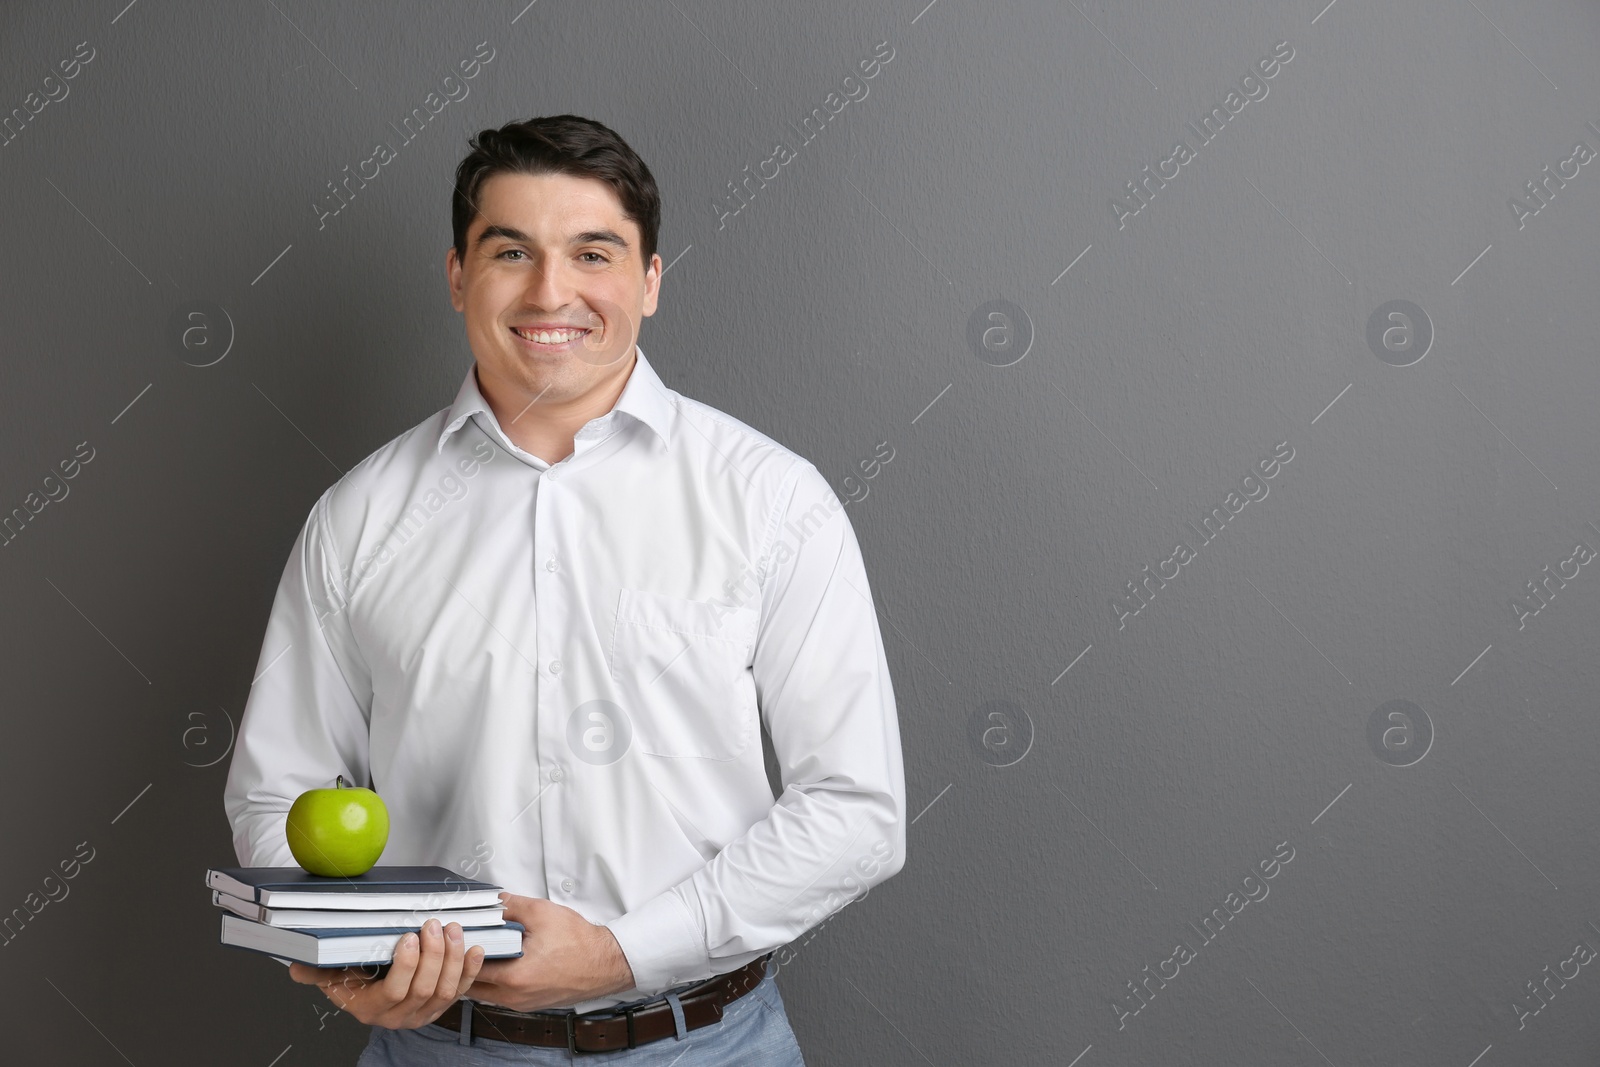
(754, 1032)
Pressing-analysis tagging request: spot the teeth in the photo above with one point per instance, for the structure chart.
(549, 337)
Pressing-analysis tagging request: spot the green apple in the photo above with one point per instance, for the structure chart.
(338, 832)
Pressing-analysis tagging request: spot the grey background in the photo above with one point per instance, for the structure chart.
(1230, 716)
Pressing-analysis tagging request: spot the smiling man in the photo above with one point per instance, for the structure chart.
(556, 670)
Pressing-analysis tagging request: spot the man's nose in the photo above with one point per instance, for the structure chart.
(549, 286)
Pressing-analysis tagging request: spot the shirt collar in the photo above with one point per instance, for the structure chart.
(645, 398)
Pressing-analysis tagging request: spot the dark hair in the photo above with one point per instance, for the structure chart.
(557, 144)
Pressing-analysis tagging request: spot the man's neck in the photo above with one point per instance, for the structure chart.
(546, 428)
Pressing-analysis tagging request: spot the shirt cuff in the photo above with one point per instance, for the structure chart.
(662, 943)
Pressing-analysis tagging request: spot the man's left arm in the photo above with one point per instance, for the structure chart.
(839, 826)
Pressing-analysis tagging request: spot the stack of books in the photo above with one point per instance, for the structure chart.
(291, 914)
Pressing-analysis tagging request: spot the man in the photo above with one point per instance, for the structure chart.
(545, 624)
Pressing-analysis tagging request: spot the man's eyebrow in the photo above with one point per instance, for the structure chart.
(491, 232)
(511, 233)
(609, 237)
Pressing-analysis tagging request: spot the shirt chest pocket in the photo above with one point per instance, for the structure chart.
(682, 672)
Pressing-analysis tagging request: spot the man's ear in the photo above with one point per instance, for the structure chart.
(452, 277)
(652, 286)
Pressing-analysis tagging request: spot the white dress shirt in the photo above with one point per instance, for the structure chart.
(552, 674)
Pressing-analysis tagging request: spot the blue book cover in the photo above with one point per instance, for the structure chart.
(355, 946)
(377, 880)
(377, 889)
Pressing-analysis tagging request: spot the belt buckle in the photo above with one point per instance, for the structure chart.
(571, 1019)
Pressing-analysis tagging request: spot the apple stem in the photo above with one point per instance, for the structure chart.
(339, 782)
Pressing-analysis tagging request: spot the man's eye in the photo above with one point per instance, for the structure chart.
(598, 258)
(509, 251)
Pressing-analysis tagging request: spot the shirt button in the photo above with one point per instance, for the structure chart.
(555, 666)
(568, 885)
(549, 564)
(557, 774)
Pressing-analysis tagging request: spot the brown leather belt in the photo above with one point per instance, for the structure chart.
(608, 1030)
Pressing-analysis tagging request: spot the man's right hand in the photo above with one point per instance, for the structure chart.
(420, 984)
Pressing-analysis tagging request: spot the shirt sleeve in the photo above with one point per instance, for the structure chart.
(305, 721)
(838, 828)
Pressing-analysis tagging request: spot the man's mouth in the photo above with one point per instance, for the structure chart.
(549, 337)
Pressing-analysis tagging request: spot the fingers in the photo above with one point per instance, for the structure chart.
(324, 977)
(306, 974)
(461, 970)
(457, 972)
(471, 965)
(444, 989)
(427, 974)
(342, 991)
(426, 981)
(397, 983)
(437, 981)
(526, 910)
